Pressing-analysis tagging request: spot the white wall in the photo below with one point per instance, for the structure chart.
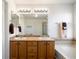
(3, 28)
(57, 14)
(74, 20)
(5, 43)
(9, 5)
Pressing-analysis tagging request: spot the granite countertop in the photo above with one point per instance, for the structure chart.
(68, 51)
(31, 39)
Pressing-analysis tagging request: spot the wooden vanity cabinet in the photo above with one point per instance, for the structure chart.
(32, 50)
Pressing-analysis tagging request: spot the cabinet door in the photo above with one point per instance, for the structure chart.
(13, 50)
(50, 50)
(41, 50)
(22, 50)
(32, 43)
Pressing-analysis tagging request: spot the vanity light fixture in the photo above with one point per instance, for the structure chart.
(33, 11)
(40, 11)
(25, 10)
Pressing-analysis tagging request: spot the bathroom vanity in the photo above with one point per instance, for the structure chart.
(32, 48)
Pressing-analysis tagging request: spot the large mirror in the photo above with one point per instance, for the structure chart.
(31, 24)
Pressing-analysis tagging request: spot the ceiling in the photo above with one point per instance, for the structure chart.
(22, 2)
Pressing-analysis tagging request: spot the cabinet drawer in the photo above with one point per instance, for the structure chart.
(32, 54)
(13, 58)
(22, 57)
(41, 57)
(32, 49)
(32, 43)
(50, 58)
(32, 57)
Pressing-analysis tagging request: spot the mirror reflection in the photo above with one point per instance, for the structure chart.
(30, 24)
